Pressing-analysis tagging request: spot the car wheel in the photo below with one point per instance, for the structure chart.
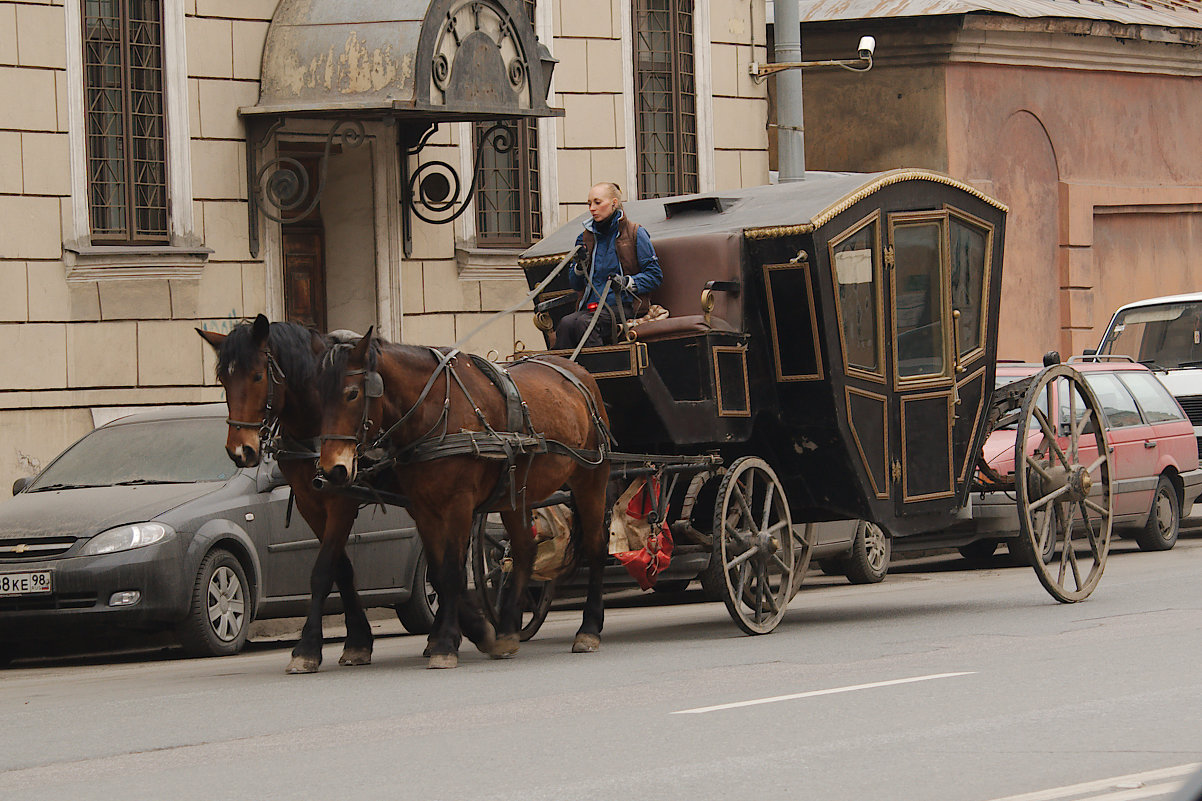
(868, 561)
(219, 618)
(417, 614)
(978, 550)
(1160, 533)
(1019, 548)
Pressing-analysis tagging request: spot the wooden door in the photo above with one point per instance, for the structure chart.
(304, 276)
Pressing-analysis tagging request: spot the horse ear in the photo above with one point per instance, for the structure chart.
(212, 337)
(359, 352)
(261, 328)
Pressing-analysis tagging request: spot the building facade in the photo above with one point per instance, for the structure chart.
(1080, 116)
(153, 180)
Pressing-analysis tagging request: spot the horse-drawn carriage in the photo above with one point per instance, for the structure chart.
(833, 340)
(828, 357)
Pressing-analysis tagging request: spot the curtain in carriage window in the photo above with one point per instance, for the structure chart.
(969, 278)
(855, 263)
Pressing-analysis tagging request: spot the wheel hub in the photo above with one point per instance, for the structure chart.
(1080, 483)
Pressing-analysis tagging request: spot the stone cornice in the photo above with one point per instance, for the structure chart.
(1015, 41)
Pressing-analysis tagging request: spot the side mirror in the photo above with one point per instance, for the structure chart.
(21, 483)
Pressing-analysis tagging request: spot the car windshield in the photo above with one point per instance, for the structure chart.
(155, 452)
(1000, 381)
(1168, 336)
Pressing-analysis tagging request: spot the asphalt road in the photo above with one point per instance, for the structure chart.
(943, 684)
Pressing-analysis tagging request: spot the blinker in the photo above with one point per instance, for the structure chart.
(373, 385)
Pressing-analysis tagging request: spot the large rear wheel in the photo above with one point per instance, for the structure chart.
(755, 548)
(1064, 483)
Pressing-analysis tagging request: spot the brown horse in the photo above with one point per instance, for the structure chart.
(411, 408)
(269, 374)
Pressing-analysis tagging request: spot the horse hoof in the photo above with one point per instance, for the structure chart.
(355, 656)
(505, 647)
(303, 664)
(487, 644)
(586, 644)
(443, 661)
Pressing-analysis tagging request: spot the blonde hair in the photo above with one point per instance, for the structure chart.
(615, 191)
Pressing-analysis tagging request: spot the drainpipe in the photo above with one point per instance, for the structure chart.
(790, 121)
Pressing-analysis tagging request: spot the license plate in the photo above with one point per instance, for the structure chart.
(32, 583)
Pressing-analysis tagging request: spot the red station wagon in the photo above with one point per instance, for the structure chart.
(1153, 454)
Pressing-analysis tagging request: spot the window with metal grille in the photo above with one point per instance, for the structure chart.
(508, 211)
(665, 97)
(507, 192)
(125, 132)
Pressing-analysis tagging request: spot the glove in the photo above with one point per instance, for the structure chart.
(626, 282)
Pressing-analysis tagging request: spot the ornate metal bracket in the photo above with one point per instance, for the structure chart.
(434, 192)
(281, 186)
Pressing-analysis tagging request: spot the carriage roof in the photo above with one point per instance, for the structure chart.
(806, 205)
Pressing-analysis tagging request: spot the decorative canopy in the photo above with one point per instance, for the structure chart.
(419, 60)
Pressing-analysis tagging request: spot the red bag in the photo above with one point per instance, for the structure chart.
(646, 563)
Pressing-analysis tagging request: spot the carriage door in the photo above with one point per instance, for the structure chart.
(938, 266)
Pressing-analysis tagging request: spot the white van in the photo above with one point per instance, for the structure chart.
(1166, 335)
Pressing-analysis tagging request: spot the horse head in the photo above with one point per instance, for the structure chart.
(351, 391)
(256, 390)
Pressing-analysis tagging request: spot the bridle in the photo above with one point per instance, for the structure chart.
(275, 375)
(373, 387)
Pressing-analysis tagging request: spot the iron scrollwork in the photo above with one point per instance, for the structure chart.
(434, 188)
(283, 183)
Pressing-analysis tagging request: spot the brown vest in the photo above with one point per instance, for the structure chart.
(624, 246)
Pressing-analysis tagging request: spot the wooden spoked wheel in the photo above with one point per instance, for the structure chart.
(491, 574)
(1065, 485)
(755, 545)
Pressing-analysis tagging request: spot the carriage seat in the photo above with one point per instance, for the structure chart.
(688, 264)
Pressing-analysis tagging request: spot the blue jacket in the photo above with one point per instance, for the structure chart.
(605, 264)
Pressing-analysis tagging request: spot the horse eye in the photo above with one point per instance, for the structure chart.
(258, 377)
(352, 393)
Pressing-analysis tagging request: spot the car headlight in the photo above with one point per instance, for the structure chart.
(123, 538)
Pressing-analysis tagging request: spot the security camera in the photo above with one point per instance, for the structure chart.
(867, 47)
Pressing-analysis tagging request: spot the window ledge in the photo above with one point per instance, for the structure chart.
(478, 264)
(133, 262)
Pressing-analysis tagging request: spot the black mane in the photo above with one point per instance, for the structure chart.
(290, 343)
(334, 364)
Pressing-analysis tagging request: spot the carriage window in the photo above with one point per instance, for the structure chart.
(854, 260)
(918, 316)
(969, 246)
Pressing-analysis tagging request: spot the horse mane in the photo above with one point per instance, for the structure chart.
(290, 343)
(334, 363)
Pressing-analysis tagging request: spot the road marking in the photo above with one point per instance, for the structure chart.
(814, 693)
(1117, 788)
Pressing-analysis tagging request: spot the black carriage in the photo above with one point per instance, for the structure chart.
(832, 343)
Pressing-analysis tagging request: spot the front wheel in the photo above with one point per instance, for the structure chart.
(1164, 521)
(754, 546)
(1064, 484)
(218, 621)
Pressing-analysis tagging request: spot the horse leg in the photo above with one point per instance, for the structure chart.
(589, 495)
(306, 656)
(444, 558)
(356, 650)
(509, 599)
